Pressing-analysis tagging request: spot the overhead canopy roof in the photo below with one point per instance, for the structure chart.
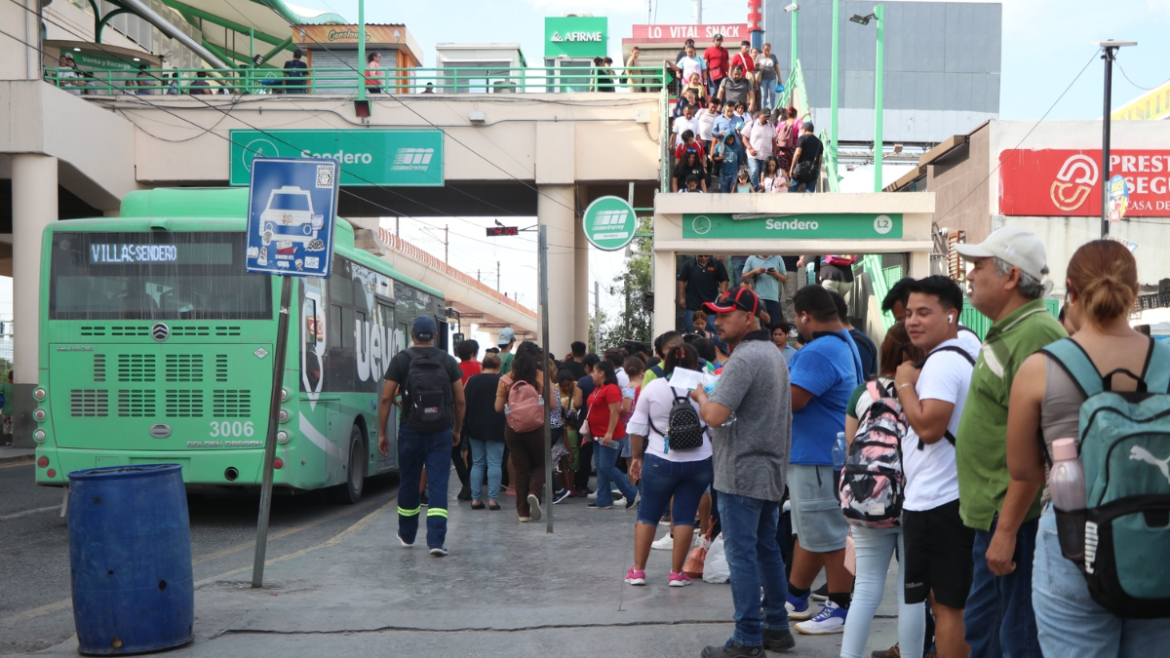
(226, 24)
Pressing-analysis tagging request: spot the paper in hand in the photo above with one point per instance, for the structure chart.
(686, 379)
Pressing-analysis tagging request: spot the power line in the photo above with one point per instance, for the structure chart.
(1126, 76)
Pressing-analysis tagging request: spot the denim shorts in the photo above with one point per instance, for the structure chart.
(817, 520)
(663, 479)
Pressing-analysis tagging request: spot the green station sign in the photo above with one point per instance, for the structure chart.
(576, 36)
(610, 223)
(411, 158)
(793, 227)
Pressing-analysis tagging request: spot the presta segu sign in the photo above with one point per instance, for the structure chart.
(1067, 183)
(793, 227)
(367, 157)
(610, 223)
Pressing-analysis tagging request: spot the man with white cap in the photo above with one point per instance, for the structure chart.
(506, 342)
(1006, 283)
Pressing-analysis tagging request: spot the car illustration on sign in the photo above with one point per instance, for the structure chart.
(289, 217)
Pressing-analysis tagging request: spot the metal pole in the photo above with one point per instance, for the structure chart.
(550, 390)
(795, 52)
(833, 80)
(698, 12)
(497, 276)
(597, 316)
(396, 233)
(362, 49)
(270, 440)
(446, 244)
(879, 13)
(1106, 121)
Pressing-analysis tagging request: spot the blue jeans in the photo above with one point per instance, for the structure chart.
(414, 451)
(773, 309)
(486, 456)
(1070, 623)
(608, 472)
(737, 263)
(754, 168)
(689, 319)
(999, 619)
(767, 93)
(749, 539)
(874, 548)
(664, 480)
(727, 179)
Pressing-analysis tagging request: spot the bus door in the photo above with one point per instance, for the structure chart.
(391, 347)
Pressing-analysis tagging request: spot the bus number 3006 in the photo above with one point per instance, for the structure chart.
(228, 428)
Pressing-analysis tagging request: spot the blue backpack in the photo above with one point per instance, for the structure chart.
(1121, 541)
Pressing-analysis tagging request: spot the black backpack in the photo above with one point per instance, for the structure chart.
(684, 428)
(949, 348)
(429, 400)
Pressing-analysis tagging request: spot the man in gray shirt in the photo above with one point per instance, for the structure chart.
(750, 410)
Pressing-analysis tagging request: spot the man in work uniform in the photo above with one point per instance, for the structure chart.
(700, 281)
(432, 407)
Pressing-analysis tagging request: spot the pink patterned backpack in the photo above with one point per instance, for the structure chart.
(872, 484)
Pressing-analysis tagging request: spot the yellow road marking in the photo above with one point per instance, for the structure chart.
(28, 462)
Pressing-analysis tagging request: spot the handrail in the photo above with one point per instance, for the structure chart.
(346, 80)
(433, 262)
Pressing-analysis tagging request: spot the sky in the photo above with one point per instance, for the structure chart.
(1046, 45)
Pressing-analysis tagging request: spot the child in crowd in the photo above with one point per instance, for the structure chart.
(743, 182)
(699, 324)
(692, 185)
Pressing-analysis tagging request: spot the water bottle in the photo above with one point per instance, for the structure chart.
(840, 451)
(1066, 482)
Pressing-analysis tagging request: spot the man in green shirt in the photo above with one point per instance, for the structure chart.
(1005, 285)
(506, 342)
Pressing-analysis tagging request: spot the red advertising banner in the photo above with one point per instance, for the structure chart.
(732, 34)
(1067, 182)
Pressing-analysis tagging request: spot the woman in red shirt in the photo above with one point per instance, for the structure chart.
(605, 424)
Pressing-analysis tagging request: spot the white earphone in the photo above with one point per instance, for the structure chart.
(950, 319)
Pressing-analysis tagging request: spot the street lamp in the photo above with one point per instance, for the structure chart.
(793, 9)
(1110, 47)
(878, 15)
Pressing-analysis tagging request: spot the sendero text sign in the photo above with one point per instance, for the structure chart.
(793, 227)
(367, 157)
(1067, 183)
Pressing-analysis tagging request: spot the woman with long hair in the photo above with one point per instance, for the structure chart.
(526, 448)
(772, 180)
(666, 473)
(875, 546)
(605, 425)
(690, 165)
(1102, 286)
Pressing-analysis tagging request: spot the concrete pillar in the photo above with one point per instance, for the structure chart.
(919, 264)
(665, 292)
(582, 287)
(34, 206)
(555, 208)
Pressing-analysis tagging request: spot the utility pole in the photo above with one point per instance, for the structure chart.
(834, 65)
(1110, 53)
(548, 377)
(361, 53)
(698, 12)
(497, 276)
(396, 233)
(879, 14)
(446, 244)
(597, 316)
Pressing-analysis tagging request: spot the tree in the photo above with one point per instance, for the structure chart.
(635, 321)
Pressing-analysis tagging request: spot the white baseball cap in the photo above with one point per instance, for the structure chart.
(1014, 246)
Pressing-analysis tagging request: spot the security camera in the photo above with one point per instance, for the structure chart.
(792, 7)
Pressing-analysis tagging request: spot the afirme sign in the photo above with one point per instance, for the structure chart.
(367, 157)
(793, 227)
(575, 36)
(1067, 183)
(732, 34)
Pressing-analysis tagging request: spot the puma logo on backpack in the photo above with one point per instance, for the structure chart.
(1121, 541)
(872, 483)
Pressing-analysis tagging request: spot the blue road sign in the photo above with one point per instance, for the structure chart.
(292, 205)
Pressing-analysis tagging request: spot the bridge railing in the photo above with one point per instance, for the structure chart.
(264, 80)
(431, 261)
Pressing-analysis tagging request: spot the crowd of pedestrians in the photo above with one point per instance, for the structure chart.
(810, 451)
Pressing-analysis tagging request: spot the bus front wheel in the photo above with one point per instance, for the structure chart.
(355, 481)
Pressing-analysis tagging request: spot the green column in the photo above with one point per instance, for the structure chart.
(795, 52)
(362, 49)
(833, 81)
(879, 13)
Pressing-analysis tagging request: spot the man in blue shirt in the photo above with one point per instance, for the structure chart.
(767, 273)
(823, 375)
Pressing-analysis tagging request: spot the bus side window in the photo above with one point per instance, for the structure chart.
(311, 321)
(334, 330)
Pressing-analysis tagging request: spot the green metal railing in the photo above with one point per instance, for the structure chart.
(267, 80)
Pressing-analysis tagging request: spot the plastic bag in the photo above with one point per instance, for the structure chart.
(693, 567)
(715, 568)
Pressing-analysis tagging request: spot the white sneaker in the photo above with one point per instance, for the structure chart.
(831, 619)
(664, 544)
(534, 507)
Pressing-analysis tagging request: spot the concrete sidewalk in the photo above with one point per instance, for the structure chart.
(506, 589)
(9, 455)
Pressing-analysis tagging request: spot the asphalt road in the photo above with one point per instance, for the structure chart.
(35, 612)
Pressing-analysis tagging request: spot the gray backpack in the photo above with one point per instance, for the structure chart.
(1121, 541)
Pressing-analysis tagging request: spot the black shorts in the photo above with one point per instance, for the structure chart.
(938, 555)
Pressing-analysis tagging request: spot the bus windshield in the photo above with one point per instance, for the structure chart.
(154, 276)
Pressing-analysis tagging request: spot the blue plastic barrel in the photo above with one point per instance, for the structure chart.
(130, 559)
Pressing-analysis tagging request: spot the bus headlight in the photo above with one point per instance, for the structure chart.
(282, 416)
(40, 415)
(282, 437)
(39, 436)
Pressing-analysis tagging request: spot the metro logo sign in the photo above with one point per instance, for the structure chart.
(1067, 182)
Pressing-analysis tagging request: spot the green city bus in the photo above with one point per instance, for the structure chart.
(156, 346)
